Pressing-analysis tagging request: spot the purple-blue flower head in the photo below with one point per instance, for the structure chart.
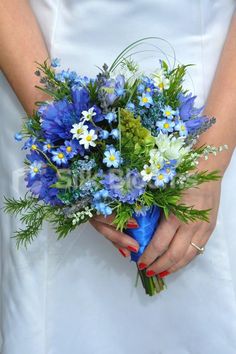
(55, 62)
(126, 189)
(18, 136)
(187, 109)
(57, 119)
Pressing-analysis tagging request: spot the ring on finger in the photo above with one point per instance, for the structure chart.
(198, 248)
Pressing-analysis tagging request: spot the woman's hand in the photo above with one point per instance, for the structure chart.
(121, 241)
(170, 248)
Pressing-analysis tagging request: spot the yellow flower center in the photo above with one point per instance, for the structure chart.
(60, 155)
(145, 99)
(34, 147)
(161, 85)
(167, 113)
(112, 158)
(89, 138)
(36, 169)
(148, 170)
(138, 207)
(48, 146)
(160, 177)
(182, 127)
(148, 89)
(69, 149)
(79, 131)
(166, 125)
(158, 166)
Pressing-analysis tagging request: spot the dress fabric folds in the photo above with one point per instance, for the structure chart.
(77, 295)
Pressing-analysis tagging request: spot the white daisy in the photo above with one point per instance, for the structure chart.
(160, 80)
(87, 138)
(88, 115)
(147, 173)
(78, 129)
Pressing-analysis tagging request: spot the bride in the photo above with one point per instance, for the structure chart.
(76, 295)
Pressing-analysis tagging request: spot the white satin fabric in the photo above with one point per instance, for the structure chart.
(77, 296)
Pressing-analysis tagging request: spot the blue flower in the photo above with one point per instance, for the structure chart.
(18, 137)
(168, 112)
(57, 120)
(35, 168)
(181, 128)
(103, 208)
(140, 88)
(55, 62)
(114, 88)
(130, 107)
(112, 157)
(40, 183)
(187, 109)
(103, 134)
(59, 156)
(80, 99)
(126, 189)
(165, 126)
(115, 133)
(196, 123)
(47, 146)
(169, 172)
(145, 100)
(110, 117)
(31, 144)
(161, 178)
(72, 148)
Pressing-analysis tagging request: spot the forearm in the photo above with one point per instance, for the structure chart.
(221, 103)
(21, 44)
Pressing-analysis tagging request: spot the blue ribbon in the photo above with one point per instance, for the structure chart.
(147, 226)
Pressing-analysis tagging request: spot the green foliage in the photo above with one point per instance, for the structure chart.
(123, 214)
(176, 77)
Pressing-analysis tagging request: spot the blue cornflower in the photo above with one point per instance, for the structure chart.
(18, 137)
(104, 134)
(181, 128)
(101, 194)
(110, 117)
(130, 106)
(55, 62)
(112, 157)
(165, 126)
(57, 119)
(161, 178)
(59, 156)
(115, 133)
(145, 100)
(168, 112)
(72, 148)
(187, 109)
(35, 168)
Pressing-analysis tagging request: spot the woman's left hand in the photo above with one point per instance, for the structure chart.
(170, 248)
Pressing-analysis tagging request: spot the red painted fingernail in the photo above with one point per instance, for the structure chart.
(132, 249)
(150, 273)
(141, 266)
(122, 252)
(164, 274)
(132, 225)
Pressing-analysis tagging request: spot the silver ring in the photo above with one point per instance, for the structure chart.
(200, 249)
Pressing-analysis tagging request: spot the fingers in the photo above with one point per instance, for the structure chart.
(191, 252)
(117, 237)
(175, 253)
(160, 241)
(123, 251)
(132, 223)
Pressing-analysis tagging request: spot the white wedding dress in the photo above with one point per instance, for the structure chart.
(77, 295)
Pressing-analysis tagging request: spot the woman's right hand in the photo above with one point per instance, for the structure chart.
(124, 243)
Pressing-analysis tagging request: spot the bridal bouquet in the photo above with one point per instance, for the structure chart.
(121, 143)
